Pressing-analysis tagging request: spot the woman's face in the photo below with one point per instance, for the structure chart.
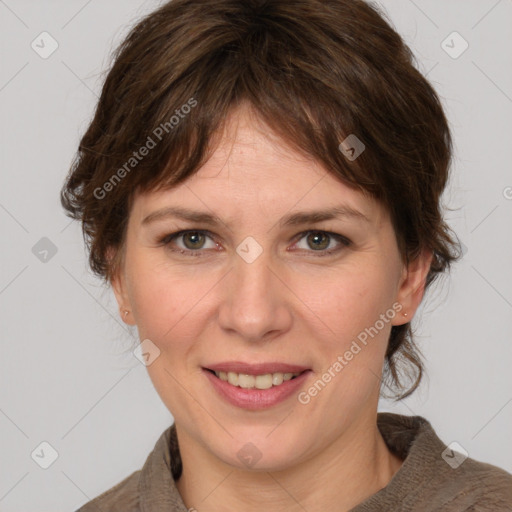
(254, 289)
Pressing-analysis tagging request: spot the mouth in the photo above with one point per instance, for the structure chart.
(256, 387)
(261, 381)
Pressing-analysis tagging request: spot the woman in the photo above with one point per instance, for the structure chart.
(261, 187)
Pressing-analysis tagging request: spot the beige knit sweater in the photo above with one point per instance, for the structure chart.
(431, 478)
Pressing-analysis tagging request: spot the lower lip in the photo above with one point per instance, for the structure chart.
(256, 399)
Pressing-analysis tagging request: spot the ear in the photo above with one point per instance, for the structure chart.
(118, 283)
(412, 286)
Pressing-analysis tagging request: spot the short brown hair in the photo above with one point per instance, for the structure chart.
(315, 72)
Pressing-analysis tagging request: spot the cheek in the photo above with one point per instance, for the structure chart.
(348, 301)
(166, 304)
(170, 302)
(358, 311)
(167, 300)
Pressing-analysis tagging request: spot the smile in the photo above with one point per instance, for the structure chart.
(265, 381)
(256, 391)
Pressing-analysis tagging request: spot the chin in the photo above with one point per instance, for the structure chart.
(255, 450)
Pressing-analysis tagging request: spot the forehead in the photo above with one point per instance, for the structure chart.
(253, 171)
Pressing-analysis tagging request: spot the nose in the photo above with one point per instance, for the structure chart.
(255, 301)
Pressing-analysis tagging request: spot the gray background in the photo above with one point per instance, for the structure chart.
(66, 377)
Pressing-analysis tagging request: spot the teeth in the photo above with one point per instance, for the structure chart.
(245, 381)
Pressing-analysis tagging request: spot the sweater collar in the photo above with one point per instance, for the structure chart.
(413, 439)
(410, 437)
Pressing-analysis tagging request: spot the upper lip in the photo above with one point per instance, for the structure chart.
(256, 368)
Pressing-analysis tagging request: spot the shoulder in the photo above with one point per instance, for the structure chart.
(480, 486)
(442, 476)
(123, 497)
(473, 486)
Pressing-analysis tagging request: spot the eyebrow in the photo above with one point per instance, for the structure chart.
(292, 219)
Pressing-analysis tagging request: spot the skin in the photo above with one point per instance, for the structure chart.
(289, 305)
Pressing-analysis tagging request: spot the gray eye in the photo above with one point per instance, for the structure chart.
(193, 240)
(318, 240)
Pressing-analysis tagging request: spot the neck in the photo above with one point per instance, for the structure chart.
(344, 474)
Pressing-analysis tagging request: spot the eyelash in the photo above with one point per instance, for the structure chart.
(167, 239)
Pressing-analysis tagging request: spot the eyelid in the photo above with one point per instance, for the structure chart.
(168, 238)
(343, 243)
(177, 234)
(337, 236)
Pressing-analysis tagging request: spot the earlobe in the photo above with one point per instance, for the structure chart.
(412, 286)
(119, 288)
(123, 301)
